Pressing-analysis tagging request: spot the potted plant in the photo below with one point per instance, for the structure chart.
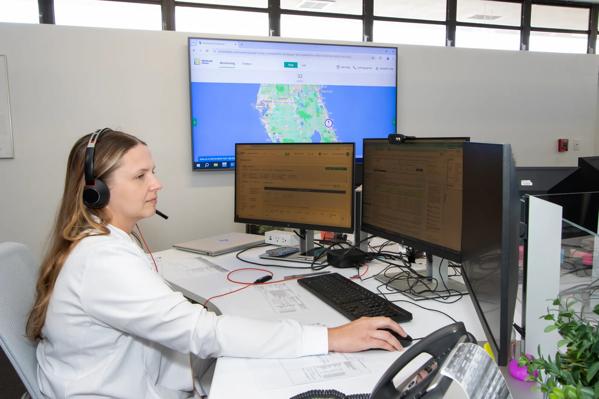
(573, 373)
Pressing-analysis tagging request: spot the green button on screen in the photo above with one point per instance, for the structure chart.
(290, 64)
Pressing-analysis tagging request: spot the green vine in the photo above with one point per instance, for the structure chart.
(573, 374)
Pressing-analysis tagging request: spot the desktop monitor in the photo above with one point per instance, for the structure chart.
(457, 200)
(412, 193)
(584, 178)
(582, 208)
(271, 91)
(536, 180)
(298, 185)
(490, 227)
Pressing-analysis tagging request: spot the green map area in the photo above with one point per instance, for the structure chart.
(294, 113)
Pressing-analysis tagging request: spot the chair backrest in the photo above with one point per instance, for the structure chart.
(18, 274)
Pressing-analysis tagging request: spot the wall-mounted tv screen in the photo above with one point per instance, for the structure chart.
(245, 91)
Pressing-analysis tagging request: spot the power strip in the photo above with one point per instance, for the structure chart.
(282, 238)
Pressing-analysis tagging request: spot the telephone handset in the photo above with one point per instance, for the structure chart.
(426, 382)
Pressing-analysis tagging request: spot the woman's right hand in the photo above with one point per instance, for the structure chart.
(365, 333)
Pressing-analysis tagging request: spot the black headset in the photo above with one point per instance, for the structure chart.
(95, 193)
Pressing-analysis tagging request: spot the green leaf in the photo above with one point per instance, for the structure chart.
(567, 314)
(562, 342)
(550, 328)
(587, 392)
(523, 361)
(592, 371)
(596, 309)
(571, 393)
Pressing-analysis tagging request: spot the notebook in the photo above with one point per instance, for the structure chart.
(221, 244)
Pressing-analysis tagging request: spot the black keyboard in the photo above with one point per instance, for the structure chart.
(351, 299)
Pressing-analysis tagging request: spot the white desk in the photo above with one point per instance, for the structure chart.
(348, 373)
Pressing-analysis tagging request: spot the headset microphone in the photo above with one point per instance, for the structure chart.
(162, 215)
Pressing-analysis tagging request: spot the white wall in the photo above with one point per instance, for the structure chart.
(67, 81)
(524, 98)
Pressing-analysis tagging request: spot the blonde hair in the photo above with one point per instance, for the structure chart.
(74, 220)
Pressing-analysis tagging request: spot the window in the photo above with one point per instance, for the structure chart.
(409, 33)
(19, 11)
(321, 28)
(421, 9)
(559, 17)
(498, 39)
(341, 7)
(207, 20)
(558, 42)
(108, 14)
(489, 12)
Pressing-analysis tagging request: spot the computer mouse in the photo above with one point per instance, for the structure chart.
(404, 341)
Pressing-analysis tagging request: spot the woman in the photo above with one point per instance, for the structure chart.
(109, 326)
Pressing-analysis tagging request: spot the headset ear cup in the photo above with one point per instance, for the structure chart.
(96, 196)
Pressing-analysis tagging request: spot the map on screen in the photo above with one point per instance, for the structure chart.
(277, 92)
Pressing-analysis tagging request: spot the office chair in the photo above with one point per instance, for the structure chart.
(18, 273)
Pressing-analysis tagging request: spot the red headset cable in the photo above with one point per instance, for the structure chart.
(226, 293)
(246, 284)
(361, 274)
(147, 247)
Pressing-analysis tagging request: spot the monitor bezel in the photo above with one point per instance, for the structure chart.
(404, 239)
(293, 225)
(275, 40)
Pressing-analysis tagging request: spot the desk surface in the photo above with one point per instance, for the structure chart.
(201, 277)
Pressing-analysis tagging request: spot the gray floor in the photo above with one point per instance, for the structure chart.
(10, 384)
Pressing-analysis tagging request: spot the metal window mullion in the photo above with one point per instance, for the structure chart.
(410, 20)
(593, 16)
(367, 20)
(451, 19)
(46, 11)
(219, 7)
(488, 26)
(136, 1)
(560, 30)
(322, 14)
(274, 17)
(168, 14)
(525, 25)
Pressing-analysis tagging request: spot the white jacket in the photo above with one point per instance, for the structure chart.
(115, 329)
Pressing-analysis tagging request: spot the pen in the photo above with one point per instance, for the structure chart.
(304, 275)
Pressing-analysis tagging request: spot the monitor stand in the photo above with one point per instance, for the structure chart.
(307, 252)
(412, 286)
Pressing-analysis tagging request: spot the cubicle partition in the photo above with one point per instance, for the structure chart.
(561, 261)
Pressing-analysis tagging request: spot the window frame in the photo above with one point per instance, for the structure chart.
(274, 11)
